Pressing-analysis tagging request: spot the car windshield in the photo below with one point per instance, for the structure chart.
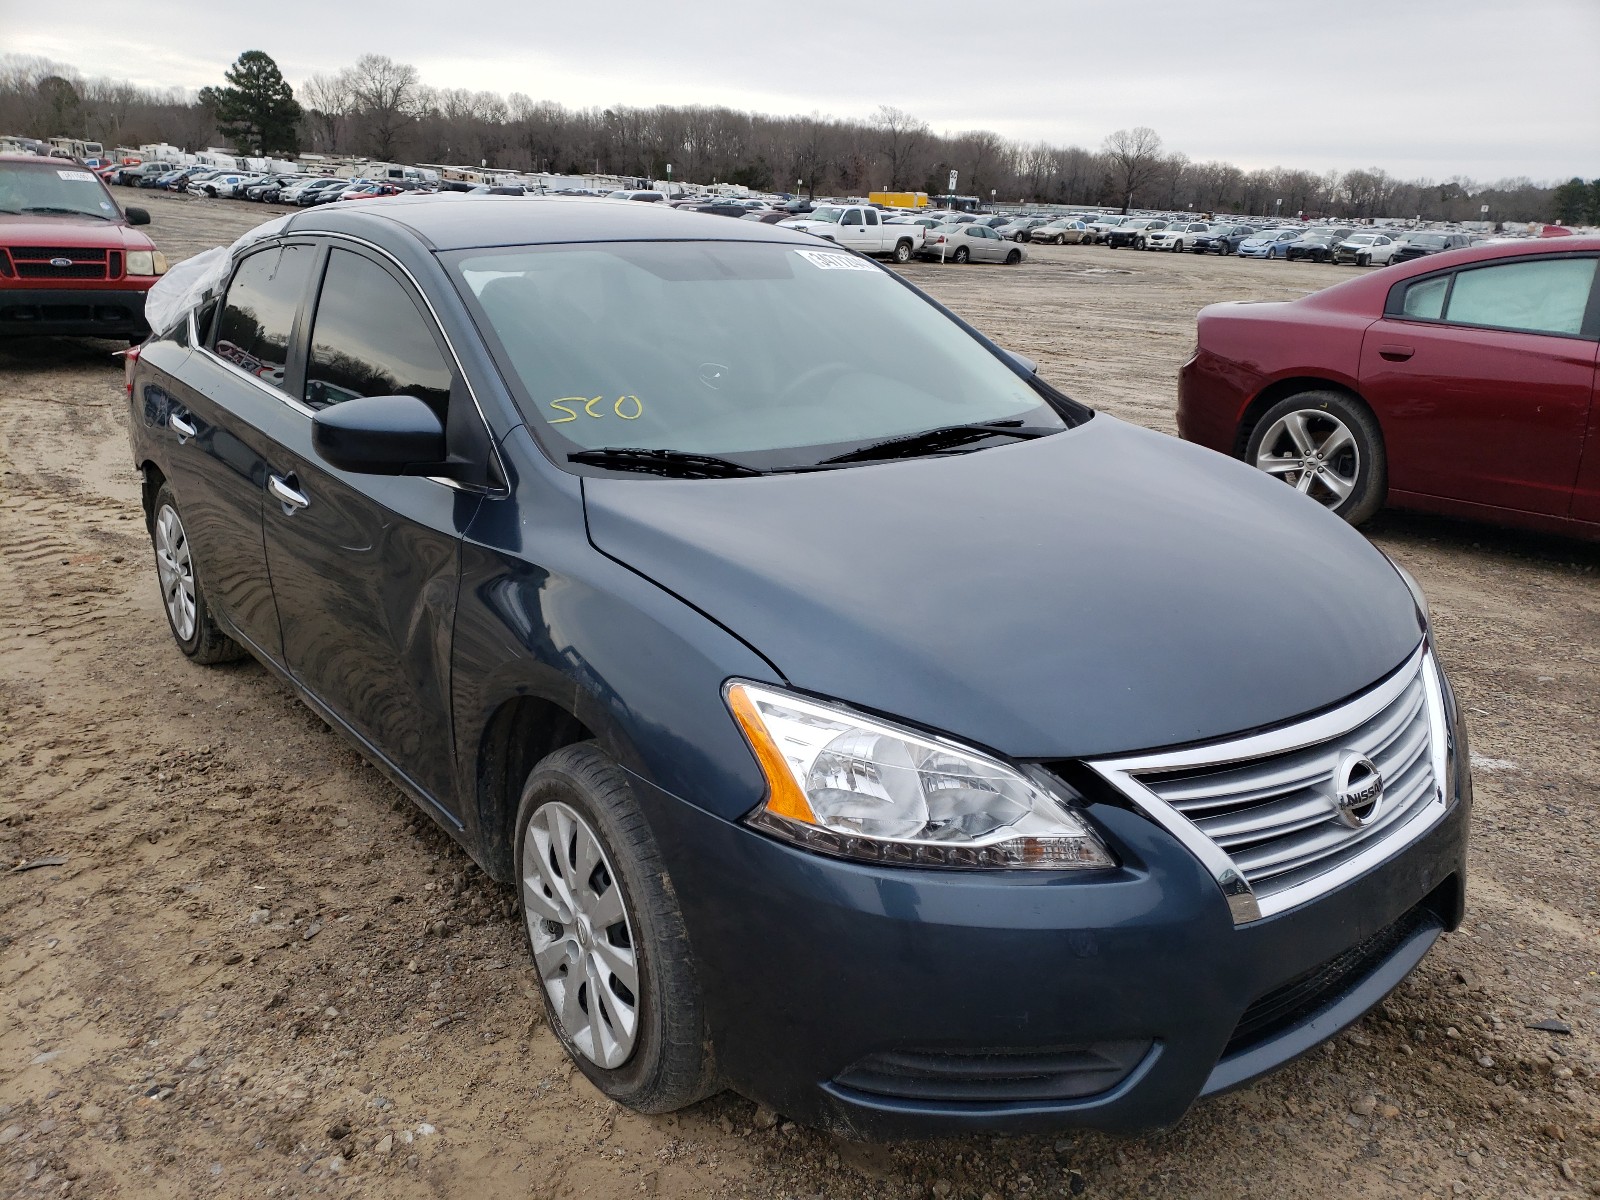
(53, 188)
(831, 215)
(1433, 240)
(777, 355)
(1362, 239)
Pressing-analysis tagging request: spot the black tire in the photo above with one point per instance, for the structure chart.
(1363, 260)
(670, 1065)
(1372, 472)
(206, 644)
(902, 251)
(1013, 258)
(961, 255)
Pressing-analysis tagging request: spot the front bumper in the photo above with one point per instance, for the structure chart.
(73, 312)
(836, 991)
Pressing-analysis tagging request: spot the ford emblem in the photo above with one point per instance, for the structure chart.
(60, 262)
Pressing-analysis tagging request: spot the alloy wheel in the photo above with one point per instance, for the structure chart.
(1314, 452)
(582, 934)
(175, 569)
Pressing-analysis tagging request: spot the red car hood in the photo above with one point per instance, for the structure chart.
(40, 229)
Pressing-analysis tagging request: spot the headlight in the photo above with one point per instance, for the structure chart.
(846, 785)
(141, 262)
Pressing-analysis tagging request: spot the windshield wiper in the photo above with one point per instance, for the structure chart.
(929, 441)
(65, 212)
(677, 463)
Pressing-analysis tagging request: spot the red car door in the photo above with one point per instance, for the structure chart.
(1586, 499)
(1483, 380)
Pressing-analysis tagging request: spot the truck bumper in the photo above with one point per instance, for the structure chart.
(73, 312)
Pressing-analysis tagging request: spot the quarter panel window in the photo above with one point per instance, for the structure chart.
(370, 339)
(1541, 296)
(257, 318)
(1425, 299)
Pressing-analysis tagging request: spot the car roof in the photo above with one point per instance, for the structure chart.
(457, 221)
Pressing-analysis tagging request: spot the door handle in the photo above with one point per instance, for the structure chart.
(182, 428)
(1395, 353)
(286, 494)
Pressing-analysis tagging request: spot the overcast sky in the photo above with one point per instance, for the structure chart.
(1418, 87)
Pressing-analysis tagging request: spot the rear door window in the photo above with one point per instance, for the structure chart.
(1539, 296)
(369, 338)
(257, 318)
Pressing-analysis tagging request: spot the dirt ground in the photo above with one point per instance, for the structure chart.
(251, 968)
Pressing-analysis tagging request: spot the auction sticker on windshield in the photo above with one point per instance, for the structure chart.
(825, 261)
(77, 176)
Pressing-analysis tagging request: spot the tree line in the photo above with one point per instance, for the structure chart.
(382, 109)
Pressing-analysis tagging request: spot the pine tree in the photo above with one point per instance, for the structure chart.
(257, 110)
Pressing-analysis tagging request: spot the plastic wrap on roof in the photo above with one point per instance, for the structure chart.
(192, 280)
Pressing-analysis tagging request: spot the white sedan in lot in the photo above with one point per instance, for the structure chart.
(1366, 249)
(1178, 237)
(970, 243)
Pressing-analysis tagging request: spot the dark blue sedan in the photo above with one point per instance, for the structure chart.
(864, 724)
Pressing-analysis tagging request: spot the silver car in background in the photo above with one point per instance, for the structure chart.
(1061, 232)
(970, 243)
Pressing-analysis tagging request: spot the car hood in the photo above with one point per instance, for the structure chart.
(1103, 590)
(38, 229)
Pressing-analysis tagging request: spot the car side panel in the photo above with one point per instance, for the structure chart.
(1480, 415)
(1586, 495)
(219, 477)
(1244, 349)
(647, 681)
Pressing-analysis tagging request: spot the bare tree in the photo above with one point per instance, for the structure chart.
(1134, 157)
(389, 98)
(328, 105)
(901, 138)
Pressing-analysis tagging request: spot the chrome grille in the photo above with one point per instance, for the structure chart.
(1263, 806)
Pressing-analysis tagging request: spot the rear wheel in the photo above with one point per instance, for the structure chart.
(184, 600)
(607, 936)
(1326, 445)
(902, 251)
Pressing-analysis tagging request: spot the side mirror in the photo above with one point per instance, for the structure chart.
(137, 216)
(380, 435)
(1023, 361)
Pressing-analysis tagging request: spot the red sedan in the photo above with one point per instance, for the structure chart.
(1461, 383)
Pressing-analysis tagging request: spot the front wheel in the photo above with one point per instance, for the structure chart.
(1363, 260)
(607, 936)
(1326, 445)
(1013, 258)
(961, 255)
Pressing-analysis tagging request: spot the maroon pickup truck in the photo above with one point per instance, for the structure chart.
(71, 262)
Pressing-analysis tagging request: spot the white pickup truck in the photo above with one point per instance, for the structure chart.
(859, 227)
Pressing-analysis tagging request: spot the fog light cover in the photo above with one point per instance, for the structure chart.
(843, 784)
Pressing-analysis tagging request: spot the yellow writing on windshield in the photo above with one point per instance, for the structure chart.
(628, 407)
